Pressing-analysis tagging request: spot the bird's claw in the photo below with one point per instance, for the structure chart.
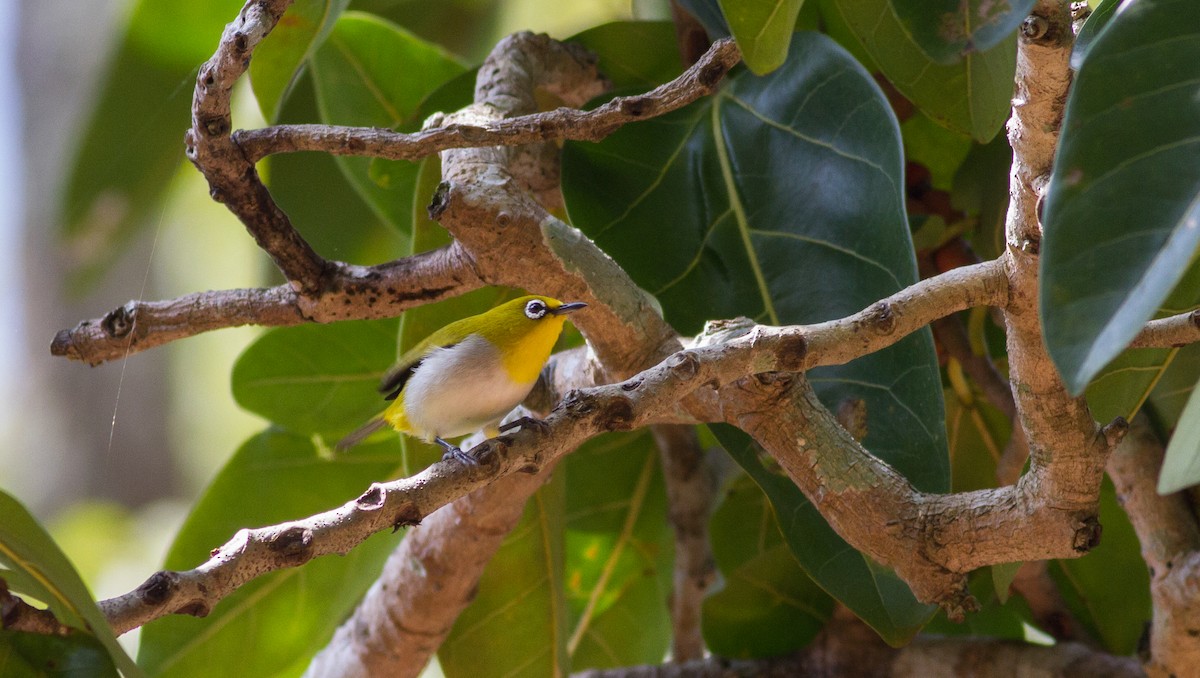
(457, 453)
(524, 423)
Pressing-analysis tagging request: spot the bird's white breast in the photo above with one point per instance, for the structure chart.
(460, 389)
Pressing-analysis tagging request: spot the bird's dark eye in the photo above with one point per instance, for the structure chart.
(535, 309)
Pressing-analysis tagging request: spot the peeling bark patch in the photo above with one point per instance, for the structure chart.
(408, 515)
(372, 499)
(196, 609)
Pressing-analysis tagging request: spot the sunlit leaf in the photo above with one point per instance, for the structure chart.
(1122, 210)
(278, 60)
(317, 379)
(372, 73)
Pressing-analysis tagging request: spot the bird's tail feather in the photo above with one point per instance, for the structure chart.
(359, 434)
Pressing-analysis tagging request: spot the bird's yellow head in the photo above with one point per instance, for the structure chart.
(525, 330)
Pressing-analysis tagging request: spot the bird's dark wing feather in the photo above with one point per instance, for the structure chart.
(394, 380)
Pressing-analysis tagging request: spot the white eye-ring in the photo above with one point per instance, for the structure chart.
(535, 309)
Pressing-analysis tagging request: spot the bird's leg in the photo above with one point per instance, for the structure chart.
(525, 422)
(454, 452)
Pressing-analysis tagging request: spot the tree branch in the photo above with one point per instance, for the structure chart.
(639, 401)
(1170, 539)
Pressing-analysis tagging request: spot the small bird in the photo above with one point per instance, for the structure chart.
(466, 376)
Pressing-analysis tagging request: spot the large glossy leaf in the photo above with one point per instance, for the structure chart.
(971, 96)
(275, 623)
(317, 379)
(37, 655)
(32, 564)
(780, 198)
(132, 142)
(618, 554)
(517, 624)
(278, 60)
(372, 73)
(1096, 22)
(335, 220)
(948, 30)
(1116, 614)
(762, 590)
(763, 30)
(1125, 195)
(875, 594)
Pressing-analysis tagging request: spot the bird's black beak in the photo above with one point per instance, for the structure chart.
(568, 308)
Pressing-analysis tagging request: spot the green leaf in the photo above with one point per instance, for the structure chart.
(132, 143)
(517, 623)
(1170, 395)
(276, 622)
(763, 30)
(278, 60)
(618, 553)
(35, 566)
(317, 379)
(1125, 194)
(947, 30)
(971, 96)
(762, 588)
(1181, 467)
(632, 53)
(1095, 23)
(1116, 613)
(876, 595)
(36, 655)
(372, 73)
(334, 220)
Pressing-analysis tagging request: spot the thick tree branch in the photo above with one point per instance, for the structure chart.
(691, 486)
(1170, 539)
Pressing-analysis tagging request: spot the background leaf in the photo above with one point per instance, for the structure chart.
(971, 96)
(947, 30)
(113, 184)
(1095, 23)
(372, 73)
(271, 624)
(34, 565)
(1125, 187)
(278, 60)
